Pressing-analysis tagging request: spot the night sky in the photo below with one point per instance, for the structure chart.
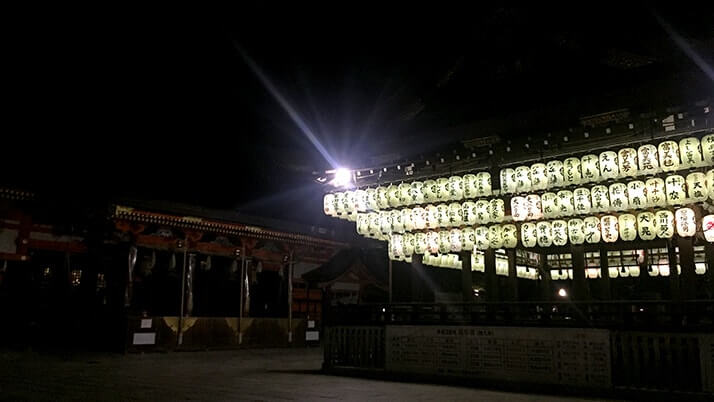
(162, 105)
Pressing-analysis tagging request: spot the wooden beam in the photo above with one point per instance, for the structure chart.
(467, 291)
(512, 275)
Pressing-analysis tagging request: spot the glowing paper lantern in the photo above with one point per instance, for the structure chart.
(601, 198)
(393, 196)
(697, 187)
(571, 171)
(469, 212)
(565, 200)
(529, 234)
(647, 159)
(432, 217)
(469, 238)
(483, 184)
(385, 222)
(618, 197)
(533, 207)
(416, 193)
(509, 235)
(361, 201)
(592, 229)
(397, 221)
(483, 215)
(551, 205)
(470, 186)
(576, 231)
(372, 199)
(443, 187)
(456, 240)
(382, 198)
(519, 208)
(456, 188)
(477, 262)
(590, 167)
(710, 183)
(686, 223)
(675, 190)
(664, 224)
(350, 202)
(523, 179)
(656, 196)
(508, 181)
(690, 152)
(429, 191)
(609, 226)
(432, 241)
(554, 170)
(404, 191)
(340, 203)
(628, 227)
(581, 198)
(396, 244)
(539, 179)
(708, 228)
(627, 162)
(362, 224)
(408, 243)
(456, 215)
(668, 156)
(646, 225)
(419, 217)
(608, 165)
(444, 219)
(408, 219)
(444, 241)
(481, 238)
(545, 234)
(420, 243)
(495, 239)
(560, 232)
(636, 194)
(497, 210)
(328, 205)
(708, 149)
(375, 223)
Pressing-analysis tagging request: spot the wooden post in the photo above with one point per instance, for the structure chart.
(416, 280)
(512, 275)
(675, 293)
(605, 274)
(489, 260)
(290, 297)
(242, 284)
(389, 260)
(709, 250)
(179, 339)
(580, 286)
(546, 284)
(686, 260)
(467, 292)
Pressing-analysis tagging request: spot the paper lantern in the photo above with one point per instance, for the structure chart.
(707, 145)
(442, 189)
(382, 198)
(628, 227)
(590, 167)
(483, 184)
(404, 192)
(576, 231)
(690, 153)
(393, 196)
(591, 229)
(416, 192)
(419, 217)
(608, 165)
(545, 234)
(495, 239)
(328, 204)
(523, 179)
(477, 262)
(508, 181)
(340, 203)
(350, 202)
(456, 214)
(372, 199)
(539, 179)
(710, 183)
(375, 223)
(432, 217)
(420, 243)
(565, 200)
(529, 234)
(609, 226)
(600, 198)
(483, 215)
(361, 203)
(551, 205)
(444, 219)
(656, 196)
(612, 272)
(571, 171)
(647, 159)
(481, 238)
(444, 241)
(636, 194)
(397, 221)
(497, 210)
(469, 212)
(469, 238)
(408, 243)
(429, 191)
(627, 162)
(456, 240)
(456, 188)
(554, 171)
(560, 232)
(685, 221)
(581, 198)
(362, 224)
(646, 225)
(697, 187)
(408, 219)
(509, 235)
(432, 241)
(470, 189)
(664, 224)
(519, 208)
(385, 222)
(708, 228)
(674, 185)
(618, 197)
(533, 207)
(668, 156)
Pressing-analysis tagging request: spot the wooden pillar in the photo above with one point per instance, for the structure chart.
(687, 279)
(605, 274)
(489, 260)
(709, 250)
(512, 290)
(546, 284)
(416, 278)
(467, 292)
(580, 287)
(675, 293)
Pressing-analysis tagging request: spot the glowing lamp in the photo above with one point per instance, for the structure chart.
(533, 207)
(668, 156)
(664, 224)
(483, 184)
(565, 200)
(508, 181)
(600, 198)
(656, 196)
(618, 197)
(685, 221)
(483, 215)
(608, 165)
(560, 232)
(497, 210)
(627, 162)
(554, 170)
(495, 239)
(708, 228)
(581, 199)
(539, 180)
(545, 234)
(628, 227)
(529, 234)
(674, 185)
(590, 167)
(636, 194)
(510, 236)
(551, 205)
(690, 153)
(646, 226)
(481, 238)
(523, 179)
(647, 159)
(576, 231)
(609, 226)
(697, 187)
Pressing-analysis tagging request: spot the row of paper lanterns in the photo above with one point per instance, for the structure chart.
(628, 162)
(450, 260)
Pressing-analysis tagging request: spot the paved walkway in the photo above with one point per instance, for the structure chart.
(244, 375)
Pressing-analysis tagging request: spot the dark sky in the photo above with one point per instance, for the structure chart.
(162, 105)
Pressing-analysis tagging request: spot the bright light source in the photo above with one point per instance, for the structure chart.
(562, 293)
(343, 178)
